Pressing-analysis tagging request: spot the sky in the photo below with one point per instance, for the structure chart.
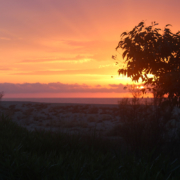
(64, 48)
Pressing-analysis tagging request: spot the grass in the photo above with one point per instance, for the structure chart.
(144, 126)
(45, 155)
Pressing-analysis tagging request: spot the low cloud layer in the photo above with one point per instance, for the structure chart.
(10, 88)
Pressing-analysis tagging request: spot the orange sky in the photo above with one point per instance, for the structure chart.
(70, 42)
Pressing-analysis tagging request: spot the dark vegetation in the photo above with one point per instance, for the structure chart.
(140, 153)
(137, 149)
(149, 50)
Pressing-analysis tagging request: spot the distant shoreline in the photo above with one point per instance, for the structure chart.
(101, 101)
(56, 104)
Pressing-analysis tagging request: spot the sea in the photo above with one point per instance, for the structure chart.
(72, 100)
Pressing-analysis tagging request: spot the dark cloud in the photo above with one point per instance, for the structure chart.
(10, 88)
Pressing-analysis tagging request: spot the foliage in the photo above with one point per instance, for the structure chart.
(46, 155)
(143, 124)
(1, 95)
(149, 52)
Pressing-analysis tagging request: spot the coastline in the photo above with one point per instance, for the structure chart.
(73, 100)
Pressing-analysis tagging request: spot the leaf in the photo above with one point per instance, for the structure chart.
(140, 24)
(124, 54)
(178, 33)
(123, 34)
(157, 29)
(114, 57)
(168, 25)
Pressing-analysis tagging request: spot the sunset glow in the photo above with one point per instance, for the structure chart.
(140, 87)
(53, 48)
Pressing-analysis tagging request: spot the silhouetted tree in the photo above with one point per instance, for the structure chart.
(147, 51)
(1, 95)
